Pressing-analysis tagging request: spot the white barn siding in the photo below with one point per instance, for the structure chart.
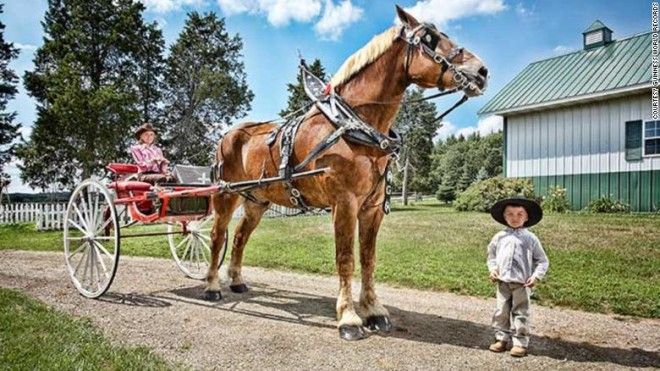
(583, 139)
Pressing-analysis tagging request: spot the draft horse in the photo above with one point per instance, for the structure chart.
(373, 82)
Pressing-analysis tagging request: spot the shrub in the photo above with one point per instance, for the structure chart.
(482, 195)
(556, 200)
(607, 204)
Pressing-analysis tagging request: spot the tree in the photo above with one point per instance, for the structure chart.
(90, 81)
(481, 175)
(8, 79)
(458, 161)
(151, 65)
(297, 96)
(205, 88)
(466, 178)
(416, 123)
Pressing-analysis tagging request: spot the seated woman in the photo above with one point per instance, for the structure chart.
(149, 158)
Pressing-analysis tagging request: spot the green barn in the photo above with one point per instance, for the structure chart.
(583, 121)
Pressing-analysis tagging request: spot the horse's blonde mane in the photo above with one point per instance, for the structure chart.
(367, 54)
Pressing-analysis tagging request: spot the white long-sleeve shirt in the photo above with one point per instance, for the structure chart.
(518, 255)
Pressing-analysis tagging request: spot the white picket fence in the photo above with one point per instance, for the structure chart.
(45, 215)
(50, 216)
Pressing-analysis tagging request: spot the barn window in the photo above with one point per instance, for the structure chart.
(652, 138)
(633, 140)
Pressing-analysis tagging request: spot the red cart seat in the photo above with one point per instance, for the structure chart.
(131, 185)
(119, 168)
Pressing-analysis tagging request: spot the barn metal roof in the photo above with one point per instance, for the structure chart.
(597, 25)
(613, 69)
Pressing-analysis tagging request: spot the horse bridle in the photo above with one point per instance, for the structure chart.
(424, 38)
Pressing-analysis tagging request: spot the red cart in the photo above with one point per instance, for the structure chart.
(100, 211)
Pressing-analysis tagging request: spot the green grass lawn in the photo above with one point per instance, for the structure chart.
(601, 263)
(36, 337)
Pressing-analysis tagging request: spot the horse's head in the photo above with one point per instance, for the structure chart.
(433, 60)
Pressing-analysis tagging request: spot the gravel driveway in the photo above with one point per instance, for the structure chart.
(287, 321)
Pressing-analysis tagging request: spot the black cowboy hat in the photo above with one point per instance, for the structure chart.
(144, 127)
(534, 211)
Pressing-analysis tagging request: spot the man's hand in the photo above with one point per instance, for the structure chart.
(531, 281)
(494, 275)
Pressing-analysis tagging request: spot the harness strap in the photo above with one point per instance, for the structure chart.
(285, 169)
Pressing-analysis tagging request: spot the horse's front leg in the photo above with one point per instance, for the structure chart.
(223, 206)
(249, 221)
(377, 317)
(344, 218)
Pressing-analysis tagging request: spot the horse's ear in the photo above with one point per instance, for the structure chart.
(406, 18)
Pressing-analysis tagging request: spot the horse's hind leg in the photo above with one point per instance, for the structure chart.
(223, 206)
(377, 317)
(344, 219)
(247, 224)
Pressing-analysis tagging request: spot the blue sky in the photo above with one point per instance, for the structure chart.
(506, 34)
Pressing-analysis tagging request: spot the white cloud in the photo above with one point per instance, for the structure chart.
(524, 12)
(336, 18)
(485, 126)
(490, 124)
(440, 12)
(25, 46)
(561, 49)
(278, 12)
(444, 131)
(164, 6)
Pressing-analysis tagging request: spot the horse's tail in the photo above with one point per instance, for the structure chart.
(217, 170)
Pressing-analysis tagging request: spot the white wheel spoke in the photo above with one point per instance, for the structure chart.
(77, 226)
(84, 276)
(80, 216)
(100, 258)
(205, 250)
(82, 246)
(84, 211)
(105, 238)
(185, 252)
(75, 271)
(197, 248)
(96, 209)
(181, 243)
(92, 265)
(90, 206)
(98, 244)
(207, 238)
(105, 224)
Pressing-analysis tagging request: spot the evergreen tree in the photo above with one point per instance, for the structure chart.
(8, 80)
(481, 175)
(89, 82)
(151, 65)
(465, 180)
(297, 96)
(416, 123)
(205, 88)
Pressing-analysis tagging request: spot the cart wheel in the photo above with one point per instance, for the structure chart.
(192, 251)
(91, 238)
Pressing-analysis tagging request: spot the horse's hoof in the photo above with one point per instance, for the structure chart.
(239, 289)
(212, 295)
(379, 323)
(348, 332)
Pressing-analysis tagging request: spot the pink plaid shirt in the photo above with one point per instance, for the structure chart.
(143, 156)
